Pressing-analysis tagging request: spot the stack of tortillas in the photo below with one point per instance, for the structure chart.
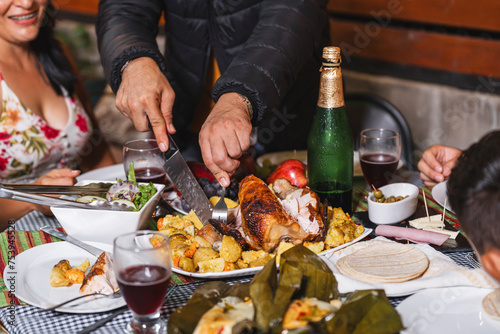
(384, 263)
(491, 304)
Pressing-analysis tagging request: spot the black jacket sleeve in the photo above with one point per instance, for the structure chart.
(127, 30)
(287, 34)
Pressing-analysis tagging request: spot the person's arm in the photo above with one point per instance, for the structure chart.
(13, 210)
(133, 64)
(437, 162)
(286, 36)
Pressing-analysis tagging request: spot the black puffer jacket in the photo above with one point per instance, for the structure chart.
(267, 50)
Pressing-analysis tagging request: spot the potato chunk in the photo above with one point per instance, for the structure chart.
(230, 249)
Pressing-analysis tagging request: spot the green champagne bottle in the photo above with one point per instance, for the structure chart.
(330, 145)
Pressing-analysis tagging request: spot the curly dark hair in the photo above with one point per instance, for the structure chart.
(52, 58)
(474, 192)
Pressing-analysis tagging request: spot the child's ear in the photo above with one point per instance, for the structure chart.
(491, 262)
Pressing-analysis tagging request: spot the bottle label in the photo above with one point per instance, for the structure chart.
(331, 93)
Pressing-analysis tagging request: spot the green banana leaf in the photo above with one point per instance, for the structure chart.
(302, 274)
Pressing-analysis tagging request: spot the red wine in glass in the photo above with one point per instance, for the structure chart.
(151, 174)
(378, 168)
(144, 287)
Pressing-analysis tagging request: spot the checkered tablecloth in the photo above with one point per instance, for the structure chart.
(22, 319)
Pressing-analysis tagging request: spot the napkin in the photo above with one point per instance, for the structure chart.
(442, 272)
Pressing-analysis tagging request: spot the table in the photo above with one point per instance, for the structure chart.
(24, 235)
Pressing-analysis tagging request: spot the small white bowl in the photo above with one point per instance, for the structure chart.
(104, 225)
(391, 213)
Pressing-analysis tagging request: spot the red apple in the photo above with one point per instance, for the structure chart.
(200, 170)
(293, 170)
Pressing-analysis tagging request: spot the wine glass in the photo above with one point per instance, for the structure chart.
(148, 163)
(142, 263)
(379, 154)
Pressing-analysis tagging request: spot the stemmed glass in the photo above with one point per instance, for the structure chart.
(142, 263)
(379, 154)
(148, 163)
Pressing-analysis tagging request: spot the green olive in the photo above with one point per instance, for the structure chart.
(378, 194)
(391, 199)
(399, 198)
(381, 199)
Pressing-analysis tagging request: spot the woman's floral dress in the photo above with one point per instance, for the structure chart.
(29, 147)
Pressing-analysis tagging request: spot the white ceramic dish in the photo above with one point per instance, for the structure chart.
(30, 272)
(252, 271)
(104, 174)
(390, 213)
(447, 310)
(440, 196)
(104, 225)
(278, 157)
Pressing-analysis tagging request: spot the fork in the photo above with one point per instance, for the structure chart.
(97, 295)
(220, 209)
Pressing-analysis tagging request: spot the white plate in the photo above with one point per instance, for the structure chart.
(439, 194)
(31, 272)
(278, 157)
(251, 271)
(447, 310)
(112, 172)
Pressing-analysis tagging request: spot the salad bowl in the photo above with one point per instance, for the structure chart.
(104, 225)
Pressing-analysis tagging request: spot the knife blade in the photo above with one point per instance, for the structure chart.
(89, 248)
(178, 171)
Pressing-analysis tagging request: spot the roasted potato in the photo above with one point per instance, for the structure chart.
(179, 250)
(57, 277)
(250, 256)
(259, 262)
(316, 247)
(230, 266)
(202, 242)
(205, 254)
(214, 265)
(241, 264)
(230, 249)
(186, 264)
(83, 266)
(178, 239)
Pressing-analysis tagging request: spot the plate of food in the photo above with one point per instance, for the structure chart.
(253, 235)
(37, 269)
(440, 196)
(447, 310)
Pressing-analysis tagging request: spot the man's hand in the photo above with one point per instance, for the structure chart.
(225, 135)
(437, 162)
(145, 91)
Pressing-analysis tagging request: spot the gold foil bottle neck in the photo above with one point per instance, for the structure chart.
(331, 56)
(331, 93)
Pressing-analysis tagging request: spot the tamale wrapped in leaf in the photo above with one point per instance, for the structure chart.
(366, 311)
(319, 279)
(262, 288)
(185, 318)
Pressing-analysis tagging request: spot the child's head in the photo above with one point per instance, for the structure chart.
(474, 195)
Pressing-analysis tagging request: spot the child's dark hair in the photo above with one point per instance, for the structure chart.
(474, 192)
(52, 58)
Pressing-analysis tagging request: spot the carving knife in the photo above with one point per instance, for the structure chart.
(178, 171)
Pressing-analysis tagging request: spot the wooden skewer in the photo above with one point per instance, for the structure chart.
(444, 212)
(426, 209)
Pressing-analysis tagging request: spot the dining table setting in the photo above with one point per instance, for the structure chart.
(444, 293)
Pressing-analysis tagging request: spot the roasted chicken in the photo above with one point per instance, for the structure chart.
(265, 219)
